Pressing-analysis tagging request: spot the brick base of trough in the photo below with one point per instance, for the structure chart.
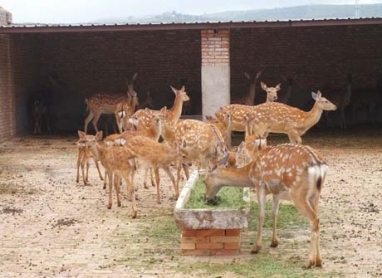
(206, 242)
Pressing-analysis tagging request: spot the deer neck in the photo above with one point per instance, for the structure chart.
(313, 116)
(176, 109)
(97, 151)
(238, 177)
(250, 99)
(168, 134)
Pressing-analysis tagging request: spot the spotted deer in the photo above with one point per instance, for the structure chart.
(238, 111)
(271, 91)
(278, 117)
(172, 115)
(150, 153)
(153, 132)
(249, 97)
(118, 163)
(287, 171)
(103, 103)
(83, 157)
(201, 141)
(224, 126)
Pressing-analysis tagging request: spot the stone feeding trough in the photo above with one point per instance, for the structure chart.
(210, 231)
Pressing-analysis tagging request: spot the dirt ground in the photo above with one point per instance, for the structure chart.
(50, 226)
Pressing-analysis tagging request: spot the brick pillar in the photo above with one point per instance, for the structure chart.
(215, 70)
(5, 17)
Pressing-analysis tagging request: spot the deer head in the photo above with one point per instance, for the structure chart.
(271, 91)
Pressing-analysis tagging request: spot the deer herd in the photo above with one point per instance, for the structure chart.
(160, 139)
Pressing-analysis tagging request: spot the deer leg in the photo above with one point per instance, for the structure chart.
(95, 121)
(110, 183)
(294, 137)
(87, 121)
(99, 171)
(145, 177)
(185, 170)
(157, 179)
(260, 190)
(86, 174)
(130, 186)
(275, 210)
(78, 165)
(105, 180)
(117, 181)
(308, 207)
(168, 172)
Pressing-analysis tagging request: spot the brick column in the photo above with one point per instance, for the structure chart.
(215, 70)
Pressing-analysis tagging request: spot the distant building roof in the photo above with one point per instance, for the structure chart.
(115, 27)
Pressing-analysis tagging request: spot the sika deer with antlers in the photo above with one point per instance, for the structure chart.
(287, 171)
(102, 103)
(278, 117)
(248, 98)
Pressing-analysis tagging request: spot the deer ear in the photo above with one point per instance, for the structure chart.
(99, 135)
(278, 87)
(81, 134)
(173, 89)
(183, 88)
(263, 86)
(314, 96)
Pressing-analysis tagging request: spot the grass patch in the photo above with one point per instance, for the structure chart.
(288, 217)
(228, 197)
(262, 265)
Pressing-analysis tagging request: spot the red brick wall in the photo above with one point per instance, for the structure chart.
(7, 119)
(94, 62)
(321, 56)
(84, 63)
(215, 47)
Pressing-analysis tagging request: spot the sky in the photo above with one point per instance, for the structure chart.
(80, 11)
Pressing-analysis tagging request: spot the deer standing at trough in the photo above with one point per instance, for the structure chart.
(287, 171)
(278, 117)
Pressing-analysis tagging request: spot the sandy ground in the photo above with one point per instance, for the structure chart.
(50, 226)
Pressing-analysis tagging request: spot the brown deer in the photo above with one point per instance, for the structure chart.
(156, 155)
(249, 97)
(341, 99)
(83, 157)
(290, 83)
(278, 117)
(287, 171)
(172, 115)
(102, 103)
(201, 141)
(153, 132)
(119, 163)
(224, 126)
(271, 91)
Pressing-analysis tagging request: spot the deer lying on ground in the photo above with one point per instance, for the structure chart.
(287, 171)
(83, 157)
(102, 103)
(119, 163)
(278, 117)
